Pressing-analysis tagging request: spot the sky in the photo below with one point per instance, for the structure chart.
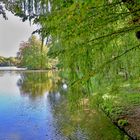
(12, 32)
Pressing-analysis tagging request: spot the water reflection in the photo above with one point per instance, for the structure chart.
(35, 84)
(82, 124)
(35, 107)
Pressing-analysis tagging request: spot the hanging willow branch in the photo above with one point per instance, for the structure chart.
(99, 69)
(2, 11)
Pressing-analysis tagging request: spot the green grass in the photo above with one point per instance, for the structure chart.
(114, 106)
(117, 104)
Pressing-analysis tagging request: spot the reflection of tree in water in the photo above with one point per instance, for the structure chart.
(58, 105)
(63, 116)
(35, 84)
(3, 72)
(81, 123)
(77, 124)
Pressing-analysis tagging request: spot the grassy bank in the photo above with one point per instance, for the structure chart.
(123, 107)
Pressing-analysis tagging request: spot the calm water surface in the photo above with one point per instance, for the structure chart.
(33, 106)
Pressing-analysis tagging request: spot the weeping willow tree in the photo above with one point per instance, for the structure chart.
(96, 42)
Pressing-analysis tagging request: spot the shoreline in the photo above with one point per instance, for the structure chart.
(125, 114)
(25, 69)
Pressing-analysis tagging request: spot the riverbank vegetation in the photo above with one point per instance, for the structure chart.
(97, 45)
(8, 61)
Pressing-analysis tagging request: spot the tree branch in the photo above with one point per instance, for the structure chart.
(97, 70)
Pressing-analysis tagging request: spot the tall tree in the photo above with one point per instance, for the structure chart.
(30, 55)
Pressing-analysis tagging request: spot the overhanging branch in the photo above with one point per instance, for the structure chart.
(97, 70)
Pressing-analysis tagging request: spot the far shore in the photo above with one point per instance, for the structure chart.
(14, 68)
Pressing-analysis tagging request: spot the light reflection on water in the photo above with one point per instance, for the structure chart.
(33, 107)
(25, 114)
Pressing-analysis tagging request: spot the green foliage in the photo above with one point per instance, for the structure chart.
(32, 56)
(92, 42)
(90, 38)
(122, 122)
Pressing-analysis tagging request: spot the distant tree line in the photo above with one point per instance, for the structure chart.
(8, 61)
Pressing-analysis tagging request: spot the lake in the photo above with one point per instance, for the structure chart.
(34, 106)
